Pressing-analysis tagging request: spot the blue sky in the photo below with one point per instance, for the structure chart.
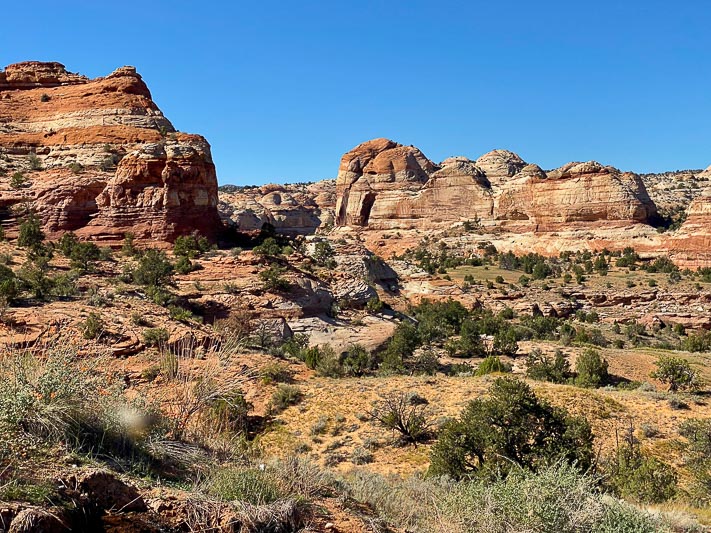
(282, 89)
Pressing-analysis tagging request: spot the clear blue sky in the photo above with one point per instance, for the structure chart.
(282, 89)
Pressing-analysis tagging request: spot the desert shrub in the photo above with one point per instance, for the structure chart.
(544, 368)
(273, 279)
(555, 498)
(250, 485)
(697, 342)
(34, 161)
(31, 233)
(67, 243)
(676, 372)
(356, 360)
(361, 456)
(284, 396)
(181, 314)
(93, 326)
(492, 364)
(398, 412)
(229, 412)
(325, 361)
(43, 396)
(469, 343)
(154, 269)
(268, 248)
(590, 369)
(401, 346)
(128, 248)
(18, 180)
(33, 276)
(184, 266)
(639, 478)
(191, 246)
(425, 363)
(374, 305)
(275, 373)
(83, 255)
(323, 254)
(510, 427)
(439, 320)
(169, 364)
(505, 342)
(155, 336)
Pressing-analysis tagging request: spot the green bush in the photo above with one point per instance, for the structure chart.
(154, 269)
(505, 342)
(18, 180)
(31, 233)
(83, 256)
(273, 279)
(155, 336)
(544, 368)
(269, 248)
(191, 246)
(356, 360)
(492, 364)
(510, 427)
(323, 254)
(557, 498)
(34, 161)
(642, 479)
(590, 369)
(93, 326)
(697, 342)
(284, 396)
(676, 372)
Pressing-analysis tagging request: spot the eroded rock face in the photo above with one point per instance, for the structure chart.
(159, 191)
(690, 246)
(298, 209)
(374, 176)
(384, 185)
(99, 157)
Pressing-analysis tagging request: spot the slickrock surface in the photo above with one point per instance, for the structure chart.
(382, 185)
(98, 155)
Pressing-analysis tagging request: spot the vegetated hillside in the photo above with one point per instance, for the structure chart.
(298, 376)
(337, 356)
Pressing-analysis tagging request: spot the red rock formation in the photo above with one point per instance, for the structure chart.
(690, 246)
(374, 175)
(382, 184)
(49, 118)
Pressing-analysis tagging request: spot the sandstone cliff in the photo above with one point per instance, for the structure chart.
(382, 184)
(99, 156)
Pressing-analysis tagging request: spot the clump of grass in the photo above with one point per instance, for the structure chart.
(250, 485)
(275, 373)
(284, 396)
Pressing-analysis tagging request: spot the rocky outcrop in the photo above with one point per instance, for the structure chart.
(159, 191)
(690, 246)
(297, 209)
(384, 185)
(374, 177)
(99, 157)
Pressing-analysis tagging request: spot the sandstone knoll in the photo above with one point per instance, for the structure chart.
(98, 157)
(382, 184)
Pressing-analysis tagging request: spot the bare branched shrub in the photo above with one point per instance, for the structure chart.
(400, 413)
